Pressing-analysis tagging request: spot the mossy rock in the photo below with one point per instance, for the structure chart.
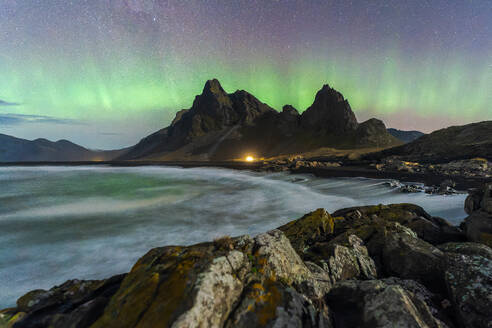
(273, 304)
(433, 230)
(309, 229)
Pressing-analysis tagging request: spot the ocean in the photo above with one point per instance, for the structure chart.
(60, 223)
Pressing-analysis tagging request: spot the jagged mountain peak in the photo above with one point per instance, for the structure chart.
(329, 113)
(213, 87)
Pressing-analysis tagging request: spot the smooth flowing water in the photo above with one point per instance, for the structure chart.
(60, 223)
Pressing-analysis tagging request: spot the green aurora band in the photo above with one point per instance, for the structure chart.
(101, 87)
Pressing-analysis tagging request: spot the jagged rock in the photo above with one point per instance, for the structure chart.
(309, 229)
(272, 304)
(179, 286)
(431, 229)
(330, 112)
(299, 275)
(406, 256)
(275, 257)
(343, 258)
(76, 303)
(439, 306)
(225, 126)
(469, 282)
(375, 303)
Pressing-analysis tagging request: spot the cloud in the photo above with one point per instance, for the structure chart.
(6, 103)
(15, 119)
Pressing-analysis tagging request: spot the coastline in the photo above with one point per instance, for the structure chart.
(463, 183)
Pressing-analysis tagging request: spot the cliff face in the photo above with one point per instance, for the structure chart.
(371, 266)
(223, 126)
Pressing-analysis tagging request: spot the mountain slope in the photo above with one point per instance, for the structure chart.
(452, 143)
(21, 150)
(405, 136)
(221, 126)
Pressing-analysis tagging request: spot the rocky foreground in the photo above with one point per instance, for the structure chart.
(372, 266)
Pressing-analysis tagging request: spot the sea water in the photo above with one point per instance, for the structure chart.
(60, 223)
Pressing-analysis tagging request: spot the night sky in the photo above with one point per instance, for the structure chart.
(105, 73)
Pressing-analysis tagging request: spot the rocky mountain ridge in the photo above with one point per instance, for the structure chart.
(405, 136)
(371, 266)
(446, 145)
(42, 150)
(223, 126)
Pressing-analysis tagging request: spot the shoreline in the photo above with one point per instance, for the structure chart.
(462, 183)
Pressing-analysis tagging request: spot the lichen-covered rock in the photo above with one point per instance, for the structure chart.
(344, 257)
(469, 282)
(272, 304)
(439, 306)
(374, 303)
(180, 287)
(275, 257)
(408, 257)
(300, 275)
(467, 248)
(76, 303)
(309, 229)
(434, 230)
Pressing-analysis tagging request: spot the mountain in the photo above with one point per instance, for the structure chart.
(405, 136)
(41, 150)
(445, 145)
(221, 126)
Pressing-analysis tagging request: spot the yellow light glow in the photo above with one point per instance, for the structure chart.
(249, 158)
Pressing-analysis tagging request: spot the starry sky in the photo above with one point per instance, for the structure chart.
(105, 73)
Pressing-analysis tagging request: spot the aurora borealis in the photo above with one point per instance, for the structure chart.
(111, 71)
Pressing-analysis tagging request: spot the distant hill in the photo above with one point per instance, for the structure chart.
(40, 150)
(221, 126)
(452, 143)
(405, 136)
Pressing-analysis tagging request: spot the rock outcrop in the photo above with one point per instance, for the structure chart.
(371, 266)
(478, 225)
(224, 126)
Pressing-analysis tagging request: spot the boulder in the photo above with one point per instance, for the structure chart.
(76, 303)
(434, 230)
(272, 304)
(469, 282)
(344, 257)
(309, 229)
(478, 225)
(439, 306)
(406, 256)
(180, 287)
(467, 248)
(375, 303)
